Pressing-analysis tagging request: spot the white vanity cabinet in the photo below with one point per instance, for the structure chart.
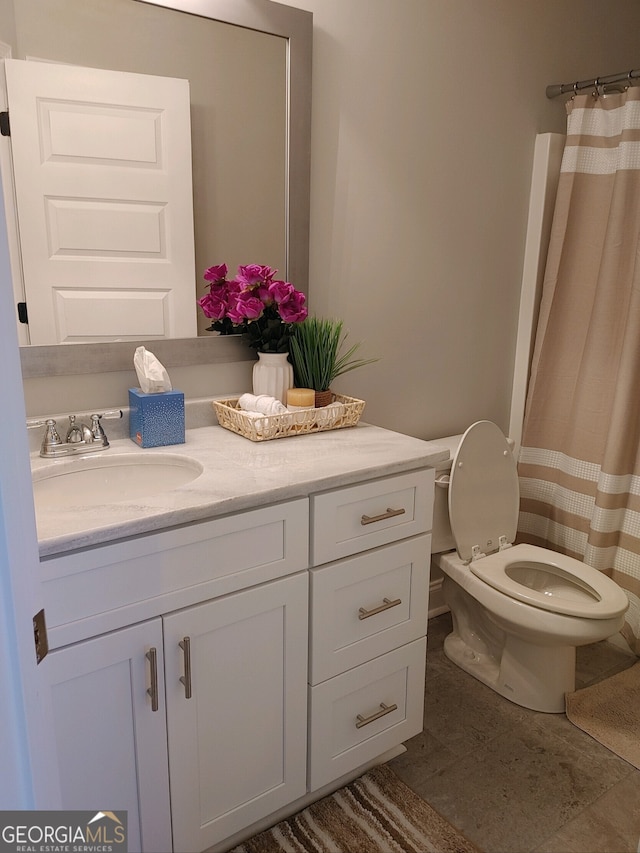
(213, 675)
(368, 620)
(227, 674)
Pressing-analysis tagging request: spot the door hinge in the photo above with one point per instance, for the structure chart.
(5, 129)
(22, 312)
(40, 636)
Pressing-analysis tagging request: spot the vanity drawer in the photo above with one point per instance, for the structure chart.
(356, 518)
(360, 714)
(367, 605)
(106, 587)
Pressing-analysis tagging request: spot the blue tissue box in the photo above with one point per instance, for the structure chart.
(156, 420)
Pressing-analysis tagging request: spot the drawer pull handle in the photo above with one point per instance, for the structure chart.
(152, 657)
(390, 513)
(384, 710)
(364, 614)
(185, 645)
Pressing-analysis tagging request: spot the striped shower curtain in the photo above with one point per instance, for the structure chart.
(580, 460)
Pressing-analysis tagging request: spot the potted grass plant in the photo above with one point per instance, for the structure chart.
(317, 352)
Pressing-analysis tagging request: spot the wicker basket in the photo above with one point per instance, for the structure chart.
(301, 422)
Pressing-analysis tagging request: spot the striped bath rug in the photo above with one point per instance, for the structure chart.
(376, 813)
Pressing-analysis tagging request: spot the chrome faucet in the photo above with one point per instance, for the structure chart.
(78, 432)
(80, 438)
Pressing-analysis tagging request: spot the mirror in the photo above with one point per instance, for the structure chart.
(128, 35)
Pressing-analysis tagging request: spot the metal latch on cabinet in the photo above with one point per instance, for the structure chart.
(40, 638)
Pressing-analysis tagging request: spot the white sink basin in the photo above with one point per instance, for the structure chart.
(92, 481)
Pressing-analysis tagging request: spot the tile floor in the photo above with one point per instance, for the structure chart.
(519, 781)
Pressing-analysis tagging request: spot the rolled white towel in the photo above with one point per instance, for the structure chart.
(261, 422)
(262, 403)
(329, 414)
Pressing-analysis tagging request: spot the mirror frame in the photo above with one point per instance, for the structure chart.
(296, 26)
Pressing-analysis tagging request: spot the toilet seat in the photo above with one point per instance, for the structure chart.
(484, 494)
(484, 499)
(565, 584)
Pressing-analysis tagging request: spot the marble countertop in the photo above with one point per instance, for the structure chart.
(238, 474)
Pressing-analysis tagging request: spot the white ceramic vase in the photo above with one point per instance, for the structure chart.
(273, 375)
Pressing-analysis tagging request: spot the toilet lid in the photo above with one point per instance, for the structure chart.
(483, 491)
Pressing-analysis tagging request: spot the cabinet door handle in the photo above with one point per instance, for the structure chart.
(185, 645)
(384, 710)
(386, 605)
(152, 657)
(390, 513)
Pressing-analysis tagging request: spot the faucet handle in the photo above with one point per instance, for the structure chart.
(111, 414)
(51, 437)
(98, 433)
(32, 423)
(96, 429)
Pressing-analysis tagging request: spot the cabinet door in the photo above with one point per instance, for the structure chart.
(111, 744)
(237, 720)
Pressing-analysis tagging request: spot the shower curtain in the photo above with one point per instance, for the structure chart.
(579, 464)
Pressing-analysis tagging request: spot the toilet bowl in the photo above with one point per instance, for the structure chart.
(519, 611)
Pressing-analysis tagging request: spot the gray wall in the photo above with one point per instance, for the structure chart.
(424, 120)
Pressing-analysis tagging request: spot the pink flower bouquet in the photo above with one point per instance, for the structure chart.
(254, 304)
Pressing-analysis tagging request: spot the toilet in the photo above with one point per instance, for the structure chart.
(519, 611)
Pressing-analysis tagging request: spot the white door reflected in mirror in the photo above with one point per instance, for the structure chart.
(102, 170)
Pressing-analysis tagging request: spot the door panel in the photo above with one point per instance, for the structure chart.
(102, 167)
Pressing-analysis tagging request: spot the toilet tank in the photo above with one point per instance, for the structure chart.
(441, 535)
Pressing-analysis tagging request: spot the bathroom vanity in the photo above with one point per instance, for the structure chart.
(227, 650)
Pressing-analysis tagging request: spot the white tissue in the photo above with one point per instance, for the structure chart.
(152, 375)
(263, 404)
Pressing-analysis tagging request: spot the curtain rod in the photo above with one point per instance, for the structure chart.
(598, 83)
